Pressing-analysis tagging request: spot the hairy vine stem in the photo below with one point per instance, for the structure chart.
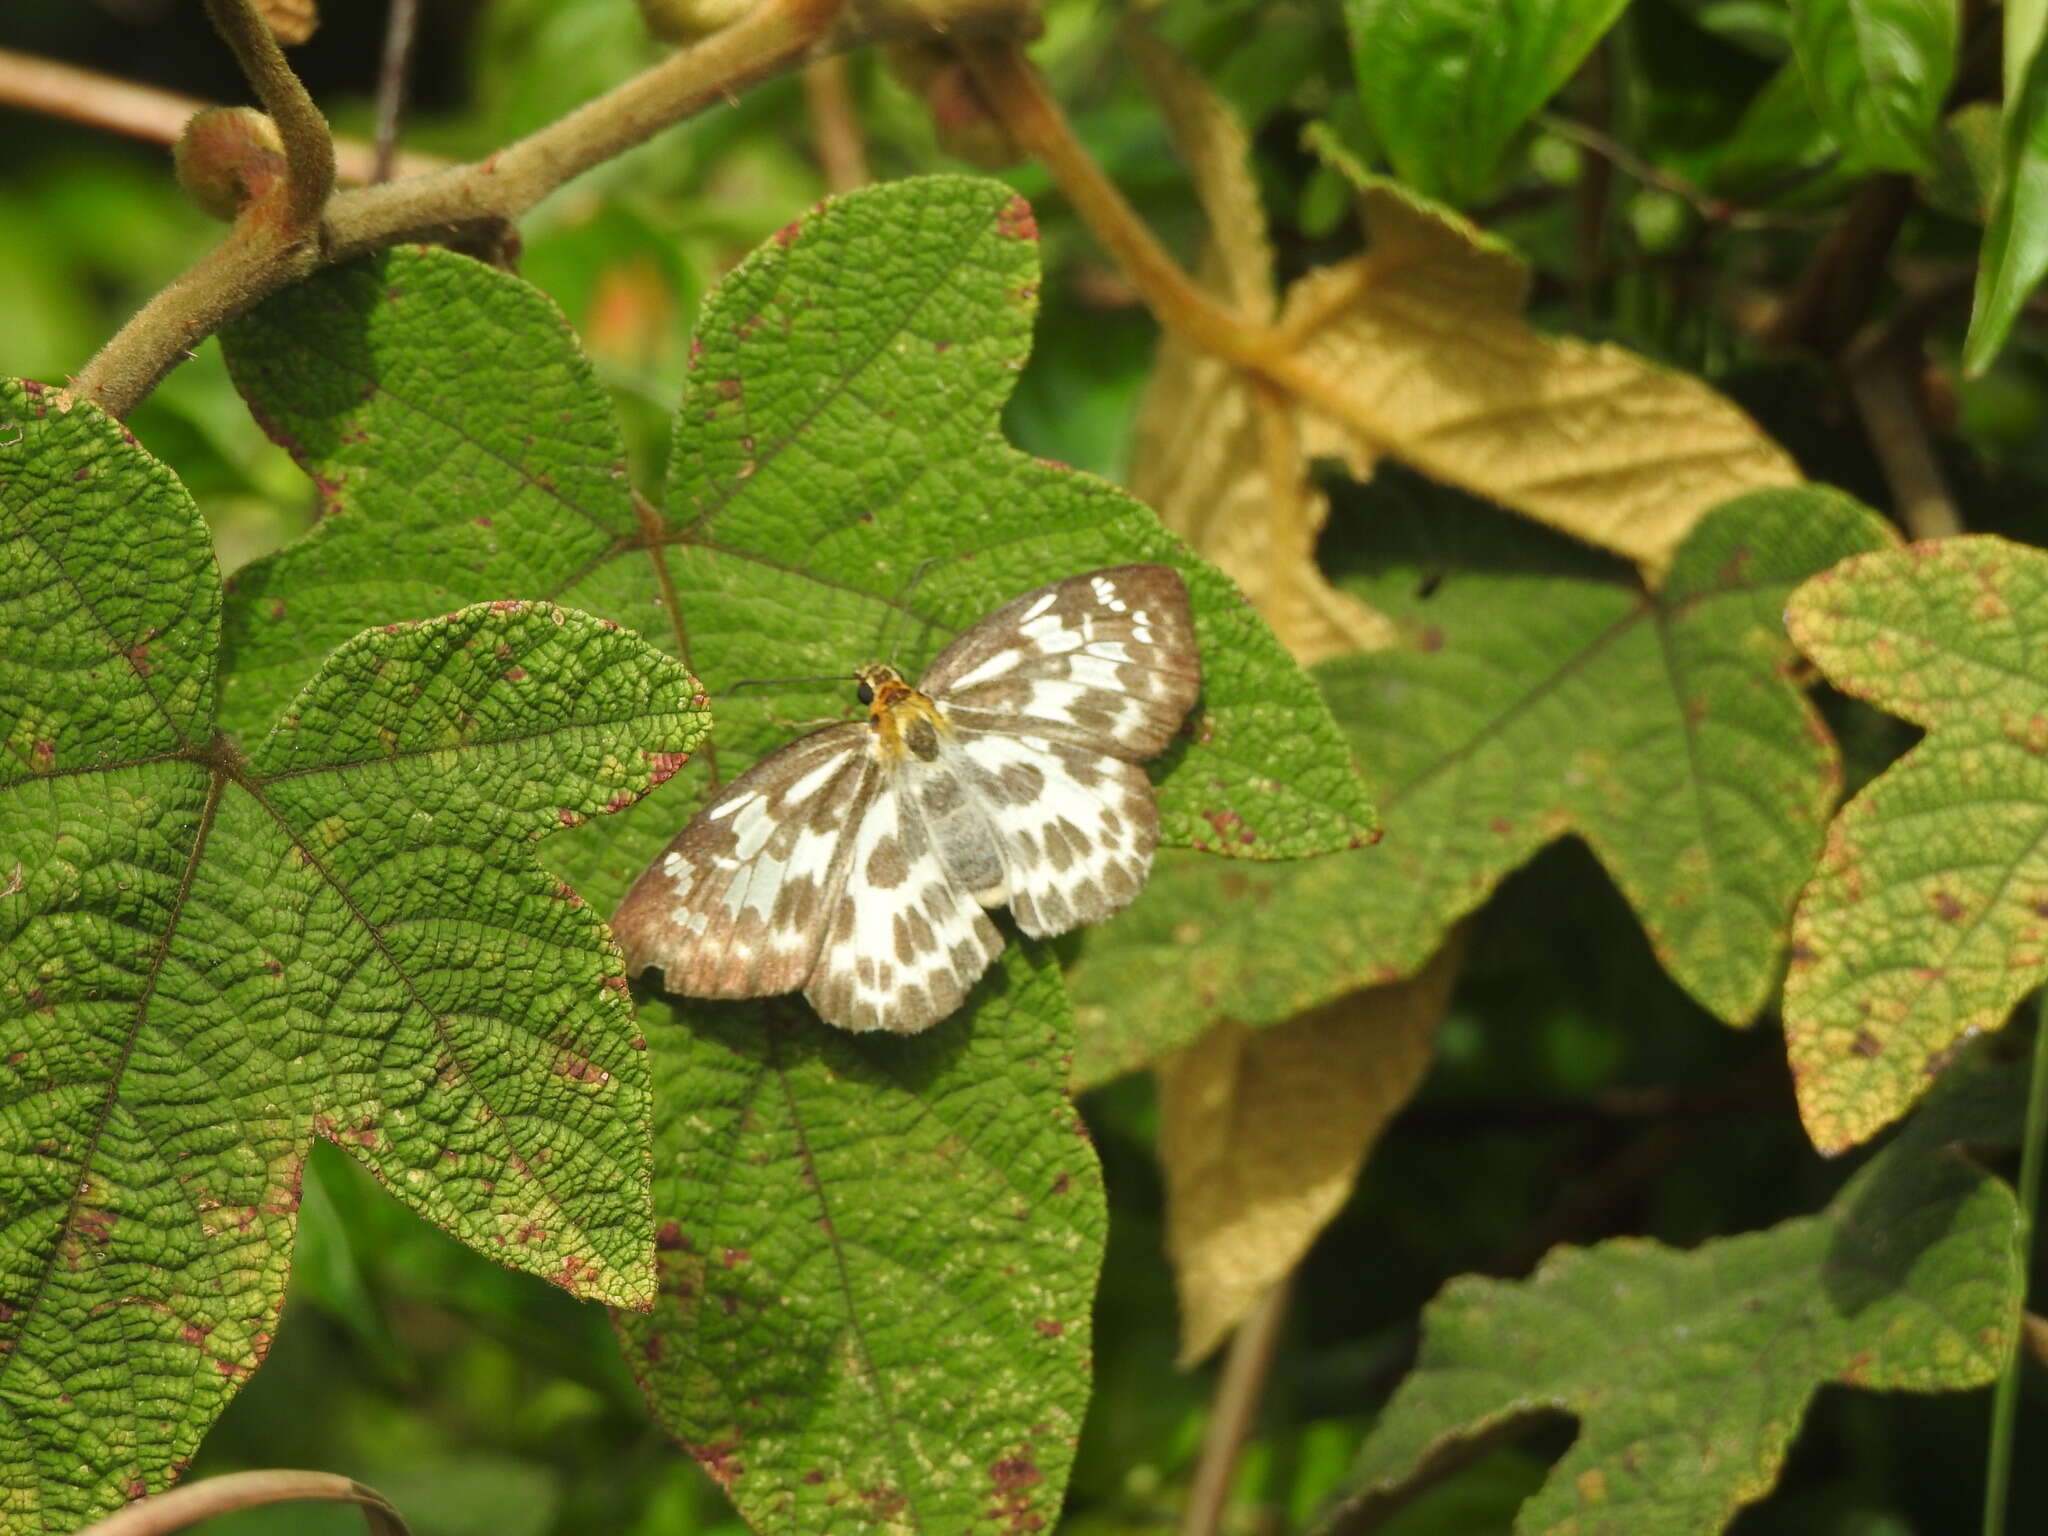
(314, 226)
(181, 1508)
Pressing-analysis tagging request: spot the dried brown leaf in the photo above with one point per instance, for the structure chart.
(1262, 1133)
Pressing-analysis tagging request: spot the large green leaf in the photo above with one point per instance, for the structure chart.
(877, 1261)
(839, 487)
(1928, 918)
(1445, 85)
(1540, 692)
(212, 954)
(1878, 71)
(1689, 1372)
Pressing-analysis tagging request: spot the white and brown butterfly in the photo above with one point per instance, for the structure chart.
(856, 862)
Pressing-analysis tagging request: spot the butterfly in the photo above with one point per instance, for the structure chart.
(857, 863)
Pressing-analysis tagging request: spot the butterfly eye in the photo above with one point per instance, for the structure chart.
(865, 694)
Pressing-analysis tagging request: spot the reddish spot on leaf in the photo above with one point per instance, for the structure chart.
(639, 1042)
(1050, 1327)
(814, 1477)
(620, 801)
(734, 1257)
(883, 1501)
(195, 1335)
(532, 1232)
(1015, 221)
(670, 1238)
(42, 756)
(1222, 821)
(1431, 638)
(718, 1460)
(578, 1068)
(1865, 1044)
(787, 235)
(1946, 907)
(662, 766)
(1062, 1184)
(570, 818)
(514, 674)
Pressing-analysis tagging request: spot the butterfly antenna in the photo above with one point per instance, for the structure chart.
(900, 603)
(779, 682)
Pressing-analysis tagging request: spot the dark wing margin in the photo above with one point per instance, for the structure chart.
(738, 904)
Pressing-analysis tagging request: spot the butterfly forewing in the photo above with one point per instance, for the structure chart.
(1105, 661)
(736, 906)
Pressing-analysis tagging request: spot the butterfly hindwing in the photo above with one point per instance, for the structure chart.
(737, 904)
(1075, 828)
(1105, 661)
(904, 943)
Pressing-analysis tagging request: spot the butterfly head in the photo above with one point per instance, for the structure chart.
(903, 720)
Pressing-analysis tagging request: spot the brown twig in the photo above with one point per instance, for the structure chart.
(1231, 1414)
(162, 1513)
(1884, 383)
(835, 124)
(144, 112)
(465, 200)
(1835, 293)
(400, 24)
(1018, 97)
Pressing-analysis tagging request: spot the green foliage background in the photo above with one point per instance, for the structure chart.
(483, 1400)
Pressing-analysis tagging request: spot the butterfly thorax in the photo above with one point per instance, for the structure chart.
(904, 721)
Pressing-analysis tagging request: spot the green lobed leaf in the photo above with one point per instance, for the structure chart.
(1689, 1372)
(2015, 252)
(1540, 692)
(1446, 85)
(207, 958)
(1926, 920)
(877, 1260)
(839, 488)
(1878, 71)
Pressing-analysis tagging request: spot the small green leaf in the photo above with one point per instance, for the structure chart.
(207, 958)
(1447, 84)
(1540, 693)
(839, 489)
(877, 1260)
(2015, 253)
(1928, 918)
(1877, 71)
(1689, 1372)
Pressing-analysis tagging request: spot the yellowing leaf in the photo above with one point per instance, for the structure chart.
(1262, 1133)
(1928, 917)
(1422, 352)
(1218, 455)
